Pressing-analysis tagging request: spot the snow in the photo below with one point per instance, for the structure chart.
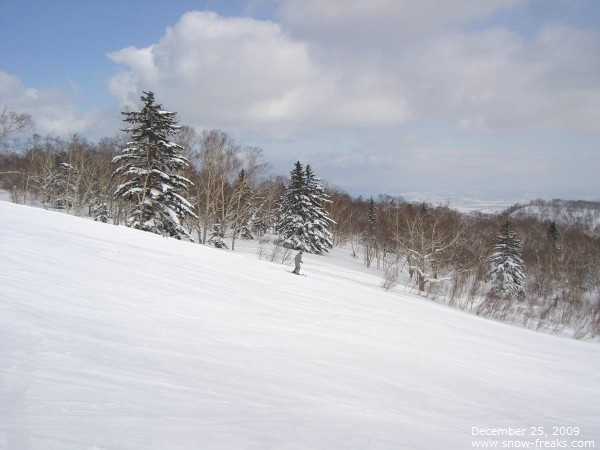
(113, 338)
(564, 213)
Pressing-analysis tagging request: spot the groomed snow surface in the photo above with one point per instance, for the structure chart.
(112, 338)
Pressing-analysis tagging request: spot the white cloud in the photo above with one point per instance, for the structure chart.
(244, 73)
(494, 80)
(53, 110)
(479, 81)
(380, 22)
(414, 88)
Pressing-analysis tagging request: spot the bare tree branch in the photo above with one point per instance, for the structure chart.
(13, 123)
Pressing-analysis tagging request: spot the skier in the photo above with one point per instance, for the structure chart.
(297, 262)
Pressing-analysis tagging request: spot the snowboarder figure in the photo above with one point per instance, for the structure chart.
(297, 262)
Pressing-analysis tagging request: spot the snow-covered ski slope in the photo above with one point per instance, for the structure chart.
(111, 338)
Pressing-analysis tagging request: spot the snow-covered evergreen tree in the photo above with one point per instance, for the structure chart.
(99, 209)
(293, 211)
(507, 269)
(216, 238)
(59, 186)
(149, 167)
(303, 221)
(319, 219)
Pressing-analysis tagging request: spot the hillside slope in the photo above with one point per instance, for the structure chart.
(112, 338)
(566, 213)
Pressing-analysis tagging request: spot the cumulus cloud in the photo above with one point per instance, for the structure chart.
(53, 110)
(429, 89)
(242, 72)
(375, 73)
(476, 79)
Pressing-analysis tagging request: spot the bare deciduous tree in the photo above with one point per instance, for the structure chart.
(217, 163)
(12, 123)
(426, 242)
(242, 202)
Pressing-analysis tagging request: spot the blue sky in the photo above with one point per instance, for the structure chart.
(50, 42)
(377, 95)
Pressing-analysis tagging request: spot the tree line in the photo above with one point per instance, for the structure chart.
(208, 188)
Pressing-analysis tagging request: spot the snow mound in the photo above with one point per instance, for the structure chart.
(112, 338)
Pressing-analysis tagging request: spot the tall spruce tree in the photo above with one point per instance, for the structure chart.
(293, 211)
(149, 167)
(507, 269)
(303, 220)
(319, 220)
